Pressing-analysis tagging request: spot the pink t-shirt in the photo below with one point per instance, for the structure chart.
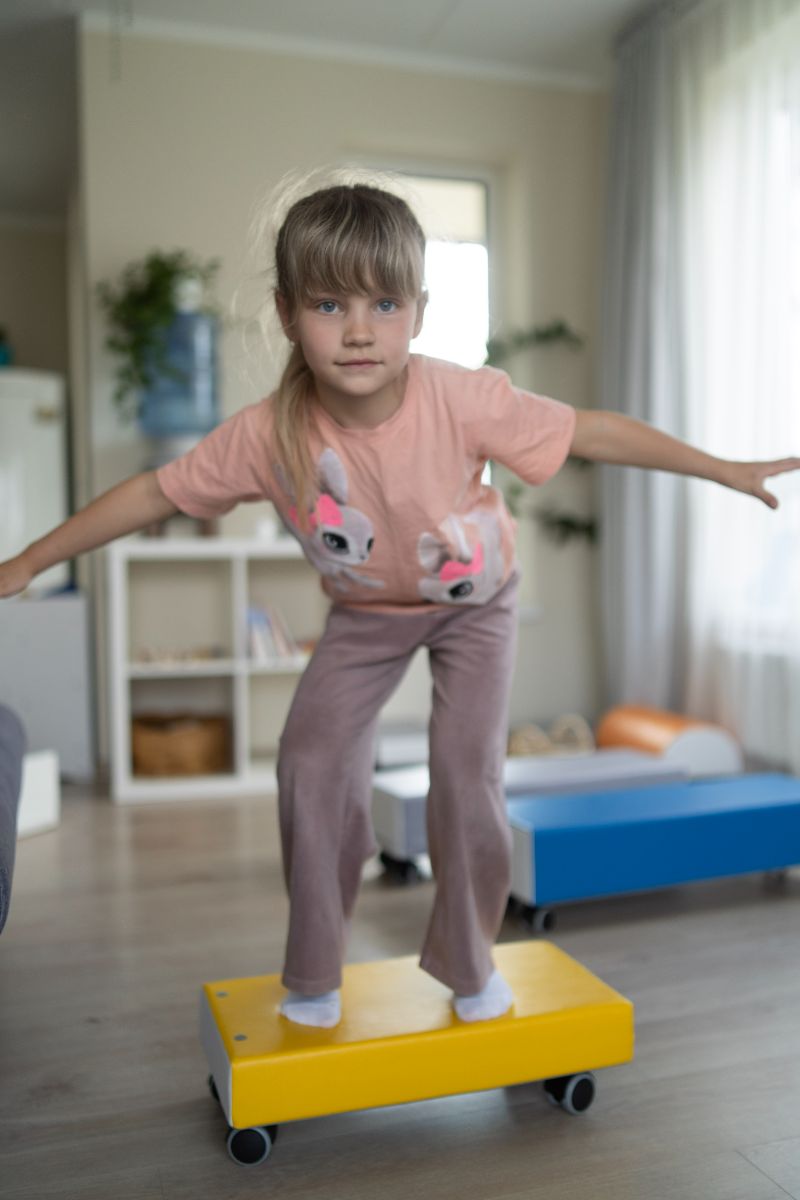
(402, 518)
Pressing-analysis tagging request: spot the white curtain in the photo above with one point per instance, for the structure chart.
(643, 513)
(742, 64)
(732, 106)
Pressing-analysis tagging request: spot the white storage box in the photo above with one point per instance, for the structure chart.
(40, 795)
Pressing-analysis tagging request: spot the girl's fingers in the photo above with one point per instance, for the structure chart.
(780, 465)
(764, 470)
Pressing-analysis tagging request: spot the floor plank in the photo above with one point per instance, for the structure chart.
(780, 1162)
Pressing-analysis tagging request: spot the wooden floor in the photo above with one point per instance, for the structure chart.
(117, 917)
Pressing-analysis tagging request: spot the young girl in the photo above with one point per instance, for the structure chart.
(373, 458)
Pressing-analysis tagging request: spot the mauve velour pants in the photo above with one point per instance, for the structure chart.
(325, 784)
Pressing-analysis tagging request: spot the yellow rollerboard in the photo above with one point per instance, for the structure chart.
(399, 1040)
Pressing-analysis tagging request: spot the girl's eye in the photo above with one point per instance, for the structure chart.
(327, 306)
(387, 306)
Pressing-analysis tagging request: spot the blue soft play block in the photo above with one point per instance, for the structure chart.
(574, 847)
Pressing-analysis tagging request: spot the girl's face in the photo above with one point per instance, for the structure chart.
(357, 348)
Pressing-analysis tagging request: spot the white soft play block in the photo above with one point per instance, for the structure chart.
(400, 744)
(399, 796)
(40, 796)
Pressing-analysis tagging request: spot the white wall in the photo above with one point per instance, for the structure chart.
(179, 142)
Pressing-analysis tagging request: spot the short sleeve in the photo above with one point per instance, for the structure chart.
(529, 434)
(227, 467)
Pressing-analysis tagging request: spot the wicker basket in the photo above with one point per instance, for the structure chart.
(180, 744)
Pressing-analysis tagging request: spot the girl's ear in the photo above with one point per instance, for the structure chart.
(432, 553)
(421, 306)
(282, 305)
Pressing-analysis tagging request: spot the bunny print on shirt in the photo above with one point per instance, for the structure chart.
(339, 537)
(463, 561)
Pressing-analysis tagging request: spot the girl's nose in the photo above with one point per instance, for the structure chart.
(358, 335)
(358, 329)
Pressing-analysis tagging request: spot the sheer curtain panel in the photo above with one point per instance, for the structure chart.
(718, 274)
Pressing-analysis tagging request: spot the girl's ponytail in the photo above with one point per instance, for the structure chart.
(291, 416)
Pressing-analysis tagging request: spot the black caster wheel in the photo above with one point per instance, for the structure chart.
(540, 920)
(400, 870)
(574, 1093)
(249, 1147)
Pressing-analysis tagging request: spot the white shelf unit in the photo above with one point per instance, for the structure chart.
(173, 596)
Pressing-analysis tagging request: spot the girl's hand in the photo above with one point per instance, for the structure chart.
(15, 575)
(749, 477)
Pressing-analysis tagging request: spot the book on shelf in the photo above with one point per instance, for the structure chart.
(268, 635)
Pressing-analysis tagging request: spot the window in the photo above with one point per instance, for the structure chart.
(453, 213)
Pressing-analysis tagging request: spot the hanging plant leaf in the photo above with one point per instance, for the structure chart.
(499, 349)
(562, 527)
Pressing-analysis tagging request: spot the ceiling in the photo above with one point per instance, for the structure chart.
(565, 42)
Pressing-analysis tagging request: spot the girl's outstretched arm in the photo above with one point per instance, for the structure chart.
(131, 505)
(611, 437)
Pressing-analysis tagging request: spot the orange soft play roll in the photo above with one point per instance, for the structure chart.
(701, 747)
(640, 728)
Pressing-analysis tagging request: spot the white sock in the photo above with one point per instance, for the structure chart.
(323, 1011)
(492, 1001)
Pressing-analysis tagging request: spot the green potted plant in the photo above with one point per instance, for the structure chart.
(162, 330)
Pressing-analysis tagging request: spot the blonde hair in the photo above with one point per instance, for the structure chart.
(347, 237)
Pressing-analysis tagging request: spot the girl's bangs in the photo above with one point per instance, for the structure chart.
(357, 263)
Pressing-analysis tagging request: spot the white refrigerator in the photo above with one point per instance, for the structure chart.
(33, 463)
